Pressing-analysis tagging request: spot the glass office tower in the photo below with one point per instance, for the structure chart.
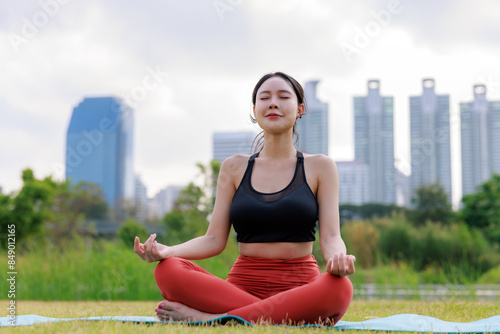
(99, 148)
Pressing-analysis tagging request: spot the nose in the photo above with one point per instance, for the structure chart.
(273, 104)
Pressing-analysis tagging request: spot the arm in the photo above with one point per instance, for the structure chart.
(331, 243)
(215, 239)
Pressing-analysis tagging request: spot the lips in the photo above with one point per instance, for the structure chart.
(273, 115)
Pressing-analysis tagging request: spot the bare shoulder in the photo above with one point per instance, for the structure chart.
(320, 170)
(320, 164)
(234, 167)
(237, 160)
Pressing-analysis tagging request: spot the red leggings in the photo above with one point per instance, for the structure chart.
(280, 291)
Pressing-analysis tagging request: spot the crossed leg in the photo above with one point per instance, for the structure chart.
(192, 293)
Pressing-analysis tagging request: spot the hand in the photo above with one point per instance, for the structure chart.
(341, 265)
(151, 250)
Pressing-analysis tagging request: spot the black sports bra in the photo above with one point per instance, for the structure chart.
(289, 215)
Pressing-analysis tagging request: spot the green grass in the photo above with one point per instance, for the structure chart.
(359, 311)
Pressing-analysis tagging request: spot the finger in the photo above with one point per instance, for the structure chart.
(153, 241)
(154, 248)
(342, 264)
(350, 263)
(136, 245)
(335, 264)
(329, 266)
(137, 248)
(351, 268)
(148, 243)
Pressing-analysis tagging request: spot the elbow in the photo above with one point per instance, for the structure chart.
(218, 245)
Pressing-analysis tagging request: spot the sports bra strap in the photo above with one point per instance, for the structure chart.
(252, 158)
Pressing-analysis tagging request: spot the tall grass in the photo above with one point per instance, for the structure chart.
(89, 269)
(436, 253)
(92, 270)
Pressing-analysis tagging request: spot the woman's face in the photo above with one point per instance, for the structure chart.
(276, 106)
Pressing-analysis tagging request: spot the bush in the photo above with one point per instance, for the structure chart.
(130, 229)
(492, 276)
(451, 245)
(446, 247)
(396, 237)
(362, 241)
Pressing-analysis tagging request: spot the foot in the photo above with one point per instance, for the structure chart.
(168, 311)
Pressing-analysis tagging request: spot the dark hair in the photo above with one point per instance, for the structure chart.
(258, 142)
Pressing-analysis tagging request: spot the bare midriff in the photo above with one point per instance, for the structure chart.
(276, 250)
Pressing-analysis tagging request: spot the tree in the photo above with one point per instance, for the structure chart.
(30, 208)
(201, 197)
(191, 212)
(430, 204)
(482, 209)
(89, 200)
(72, 205)
(366, 211)
(59, 207)
(184, 225)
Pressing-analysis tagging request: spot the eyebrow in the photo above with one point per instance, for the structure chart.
(280, 91)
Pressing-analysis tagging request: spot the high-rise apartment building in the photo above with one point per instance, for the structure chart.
(313, 126)
(353, 182)
(99, 148)
(226, 144)
(165, 200)
(430, 139)
(480, 133)
(374, 142)
(141, 204)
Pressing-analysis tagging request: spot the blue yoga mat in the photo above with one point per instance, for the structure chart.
(399, 322)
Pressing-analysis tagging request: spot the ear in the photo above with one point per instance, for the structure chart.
(301, 110)
(253, 111)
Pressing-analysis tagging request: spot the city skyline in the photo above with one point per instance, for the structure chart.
(201, 65)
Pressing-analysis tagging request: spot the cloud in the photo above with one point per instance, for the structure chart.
(211, 63)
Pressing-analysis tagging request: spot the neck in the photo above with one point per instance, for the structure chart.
(278, 147)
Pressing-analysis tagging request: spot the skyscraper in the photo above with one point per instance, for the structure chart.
(313, 126)
(430, 139)
(226, 144)
(480, 132)
(374, 142)
(99, 148)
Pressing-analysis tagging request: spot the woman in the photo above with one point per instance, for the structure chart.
(276, 277)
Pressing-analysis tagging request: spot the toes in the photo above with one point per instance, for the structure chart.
(166, 305)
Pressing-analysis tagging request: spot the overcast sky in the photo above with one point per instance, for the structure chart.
(208, 55)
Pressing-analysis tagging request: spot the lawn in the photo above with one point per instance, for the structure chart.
(459, 311)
